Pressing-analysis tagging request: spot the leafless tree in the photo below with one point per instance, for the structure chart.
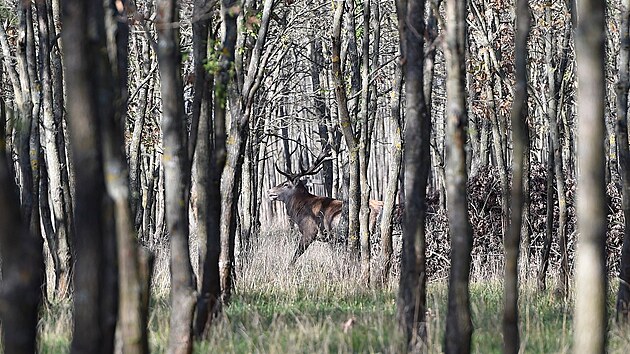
(88, 72)
(177, 177)
(623, 294)
(590, 301)
(511, 339)
(458, 321)
(207, 175)
(412, 293)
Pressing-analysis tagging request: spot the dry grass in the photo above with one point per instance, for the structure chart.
(302, 309)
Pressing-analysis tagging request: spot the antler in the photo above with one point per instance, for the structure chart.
(284, 173)
(313, 169)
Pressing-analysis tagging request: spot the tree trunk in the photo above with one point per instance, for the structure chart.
(352, 143)
(554, 131)
(209, 303)
(412, 293)
(392, 175)
(546, 250)
(176, 178)
(133, 320)
(207, 230)
(511, 340)
(230, 14)
(53, 163)
(84, 56)
(241, 111)
(590, 287)
(623, 294)
(364, 152)
(458, 321)
(136, 135)
(500, 154)
(317, 62)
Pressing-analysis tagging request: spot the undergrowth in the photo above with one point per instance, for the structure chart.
(319, 306)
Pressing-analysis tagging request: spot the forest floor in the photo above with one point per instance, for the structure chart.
(303, 309)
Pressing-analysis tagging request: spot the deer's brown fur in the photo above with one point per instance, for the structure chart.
(317, 217)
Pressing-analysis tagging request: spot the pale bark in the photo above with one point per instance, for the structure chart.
(393, 172)
(364, 151)
(236, 142)
(590, 274)
(350, 137)
(623, 85)
(53, 161)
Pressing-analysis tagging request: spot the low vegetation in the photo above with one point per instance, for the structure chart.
(318, 306)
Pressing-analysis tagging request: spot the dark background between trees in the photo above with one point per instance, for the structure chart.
(140, 126)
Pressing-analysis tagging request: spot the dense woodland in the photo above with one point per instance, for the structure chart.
(493, 132)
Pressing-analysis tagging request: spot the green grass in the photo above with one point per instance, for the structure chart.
(276, 309)
(276, 323)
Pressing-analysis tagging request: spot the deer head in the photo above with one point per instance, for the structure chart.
(294, 183)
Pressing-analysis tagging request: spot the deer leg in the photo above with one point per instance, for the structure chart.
(303, 244)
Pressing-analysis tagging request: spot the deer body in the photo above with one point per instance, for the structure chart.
(317, 217)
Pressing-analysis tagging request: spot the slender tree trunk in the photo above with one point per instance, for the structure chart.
(176, 177)
(499, 153)
(364, 152)
(556, 147)
(412, 293)
(56, 68)
(352, 142)
(133, 320)
(392, 175)
(546, 250)
(458, 321)
(317, 62)
(590, 300)
(206, 184)
(215, 235)
(241, 111)
(136, 135)
(511, 341)
(623, 294)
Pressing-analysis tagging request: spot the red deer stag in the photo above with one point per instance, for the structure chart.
(317, 217)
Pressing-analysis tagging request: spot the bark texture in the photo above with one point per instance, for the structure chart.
(511, 339)
(623, 294)
(590, 273)
(412, 293)
(458, 321)
(176, 178)
(345, 123)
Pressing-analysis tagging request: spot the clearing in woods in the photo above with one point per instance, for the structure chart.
(317, 306)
